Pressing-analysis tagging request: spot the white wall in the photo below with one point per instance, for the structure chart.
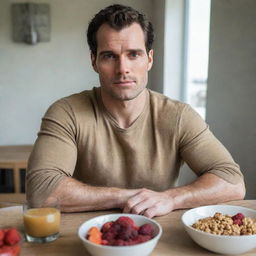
(32, 77)
(231, 103)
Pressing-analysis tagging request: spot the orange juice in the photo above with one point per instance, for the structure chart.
(41, 222)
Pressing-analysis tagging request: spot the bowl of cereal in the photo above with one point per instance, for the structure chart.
(225, 229)
(120, 234)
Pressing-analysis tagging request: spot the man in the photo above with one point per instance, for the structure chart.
(121, 145)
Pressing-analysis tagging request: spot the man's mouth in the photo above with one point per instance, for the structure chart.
(125, 82)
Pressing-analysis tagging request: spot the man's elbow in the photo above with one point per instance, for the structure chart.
(239, 191)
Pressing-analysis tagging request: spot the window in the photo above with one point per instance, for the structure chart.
(197, 51)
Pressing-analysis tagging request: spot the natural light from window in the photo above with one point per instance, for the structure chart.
(197, 51)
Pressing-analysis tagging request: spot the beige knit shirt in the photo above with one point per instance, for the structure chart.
(79, 138)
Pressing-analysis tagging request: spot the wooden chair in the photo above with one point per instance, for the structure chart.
(15, 158)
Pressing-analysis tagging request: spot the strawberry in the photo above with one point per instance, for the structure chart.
(12, 237)
(16, 250)
(6, 251)
(1, 235)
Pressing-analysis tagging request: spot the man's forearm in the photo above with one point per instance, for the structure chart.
(207, 189)
(75, 196)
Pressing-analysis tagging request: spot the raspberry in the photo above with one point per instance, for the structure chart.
(11, 237)
(116, 226)
(134, 233)
(107, 226)
(123, 232)
(125, 221)
(238, 222)
(238, 216)
(127, 232)
(109, 236)
(130, 242)
(104, 242)
(146, 229)
(124, 236)
(141, 239)
(119, 242)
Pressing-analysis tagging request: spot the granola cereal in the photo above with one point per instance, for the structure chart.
(221, 224)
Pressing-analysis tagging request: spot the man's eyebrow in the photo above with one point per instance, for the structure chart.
(128, 50)
(135, 50)
(106, 52)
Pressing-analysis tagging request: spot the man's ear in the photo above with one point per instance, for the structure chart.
(93, 61)
(150, 59)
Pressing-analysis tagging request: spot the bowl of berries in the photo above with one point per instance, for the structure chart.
(10, 242)
(224, 229)
(120, 234)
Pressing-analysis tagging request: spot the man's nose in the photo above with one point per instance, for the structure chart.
(122, 65)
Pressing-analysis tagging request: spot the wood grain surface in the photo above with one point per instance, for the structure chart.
(174, 241)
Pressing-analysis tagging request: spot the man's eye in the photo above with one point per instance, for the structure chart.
(134, 54)
(108, 56)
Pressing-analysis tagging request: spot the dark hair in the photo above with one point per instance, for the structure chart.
(119, 16)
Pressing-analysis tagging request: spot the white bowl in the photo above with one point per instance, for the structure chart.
(142, 249)
(219, 243)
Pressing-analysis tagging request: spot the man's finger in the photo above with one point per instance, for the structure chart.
(142, 206)
(150, 212)
(132, 202)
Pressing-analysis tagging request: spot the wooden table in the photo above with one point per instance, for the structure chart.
(15, 158)
(174, 241)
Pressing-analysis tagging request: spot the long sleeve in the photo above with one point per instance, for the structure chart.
(54, 154)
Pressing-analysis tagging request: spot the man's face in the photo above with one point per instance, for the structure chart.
(122, 61)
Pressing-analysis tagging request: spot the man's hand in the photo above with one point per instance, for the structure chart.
(207, 189)
(149, 203)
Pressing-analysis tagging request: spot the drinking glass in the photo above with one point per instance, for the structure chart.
(42, 224)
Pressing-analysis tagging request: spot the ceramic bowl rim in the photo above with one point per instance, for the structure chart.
(213, 235)
(155, 238)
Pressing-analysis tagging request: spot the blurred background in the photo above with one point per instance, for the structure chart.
(204, 54)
